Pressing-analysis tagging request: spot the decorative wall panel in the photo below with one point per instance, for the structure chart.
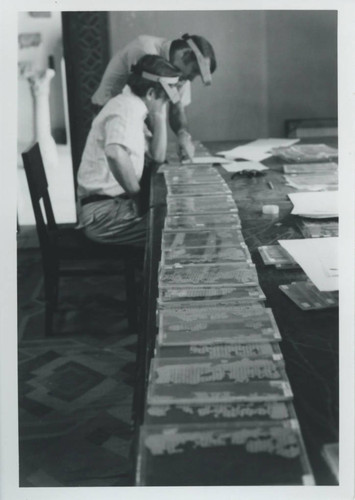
(86, 52)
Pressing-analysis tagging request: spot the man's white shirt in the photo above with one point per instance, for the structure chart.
(120, 122)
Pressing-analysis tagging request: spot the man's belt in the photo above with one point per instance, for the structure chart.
(100, 197)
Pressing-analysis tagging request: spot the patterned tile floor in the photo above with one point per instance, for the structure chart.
(75, 388)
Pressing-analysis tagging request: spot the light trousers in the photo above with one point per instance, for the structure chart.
(113, 221)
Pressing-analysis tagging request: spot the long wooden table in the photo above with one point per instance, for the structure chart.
(309, 338)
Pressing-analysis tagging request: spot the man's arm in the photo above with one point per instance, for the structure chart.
(123, 171)
(178, 124)
(159, 140)
(177, 117)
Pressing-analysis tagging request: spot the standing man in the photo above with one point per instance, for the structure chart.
(192, 55)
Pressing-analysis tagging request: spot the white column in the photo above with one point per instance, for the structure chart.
(40, 88)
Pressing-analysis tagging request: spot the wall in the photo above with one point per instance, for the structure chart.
(272, 65)
(236, 99)
(302, 66)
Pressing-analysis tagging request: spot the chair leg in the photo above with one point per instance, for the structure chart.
(48, 320)
(51, 298)
(131, 296)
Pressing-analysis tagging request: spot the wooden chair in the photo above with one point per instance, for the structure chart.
(63, 244)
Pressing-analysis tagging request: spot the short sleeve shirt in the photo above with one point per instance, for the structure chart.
(120, 122)
(119, 68)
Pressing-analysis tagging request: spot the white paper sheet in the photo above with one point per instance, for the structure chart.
(327, 252)
(317, 205)
(269, 143)
(258, 150)
(240, 166)
(318, 257)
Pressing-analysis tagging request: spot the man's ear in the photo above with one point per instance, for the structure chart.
(150, 93)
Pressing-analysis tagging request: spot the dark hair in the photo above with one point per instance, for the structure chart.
(203, 45)
(151, 64)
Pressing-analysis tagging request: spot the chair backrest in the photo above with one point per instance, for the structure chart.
(38, 186)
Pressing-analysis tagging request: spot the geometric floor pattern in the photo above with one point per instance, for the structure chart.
(75, 388)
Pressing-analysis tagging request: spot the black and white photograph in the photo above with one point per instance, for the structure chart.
(178, 272)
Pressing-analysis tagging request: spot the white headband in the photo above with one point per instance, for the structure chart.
(171, 80)
(165, 82)
(203, 62)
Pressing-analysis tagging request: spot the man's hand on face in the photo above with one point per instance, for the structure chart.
(186, 148)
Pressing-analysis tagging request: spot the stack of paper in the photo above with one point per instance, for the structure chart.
(220, 454)
(198, 189)
(222, 412)
(177, 166)
(207, 295)
(306, 153)
(189, 371)
(202, 221)
(275, 255)
(309, 182)
(189, 381)
(318, 257)
(221, 203)
(321, 229)
(258, 150)
(311, 168)
(188, 175)
(220, 238)
(217, 359)
(217, 325)
(219, 350)
(208, 255)
(244, 166)
(236, 274)
(219, 392)
(307, 296)
(198, 160)
(315, 205)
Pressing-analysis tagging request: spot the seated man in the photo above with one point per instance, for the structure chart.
(193, 55)
(109, 207)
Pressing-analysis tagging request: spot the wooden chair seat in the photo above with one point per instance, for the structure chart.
(72, 243)
(59, 245)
